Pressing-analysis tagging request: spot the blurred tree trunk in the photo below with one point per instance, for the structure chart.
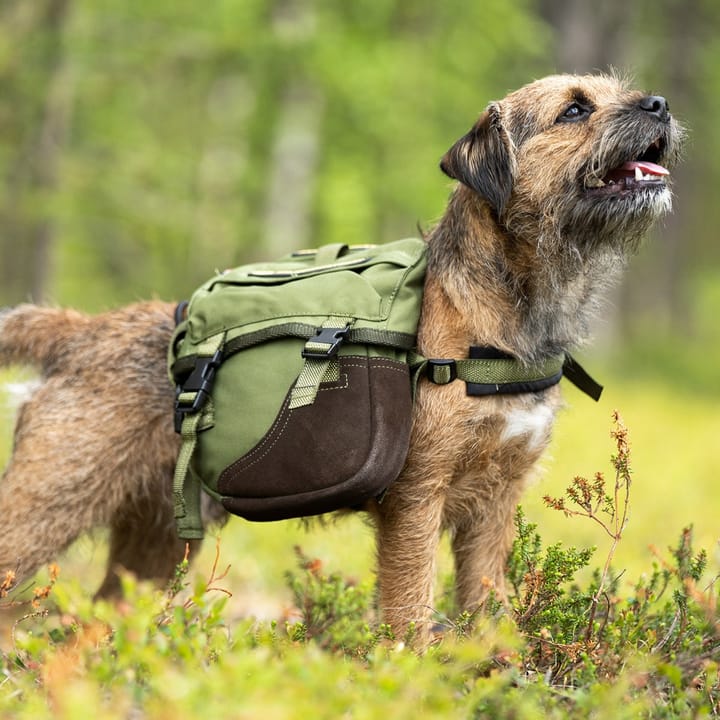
(589, 35)
(661, 286)
(292, 170)
(39, 112)
(296, 141)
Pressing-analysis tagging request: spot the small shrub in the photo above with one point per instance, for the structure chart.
(335, 611)
(575, 637)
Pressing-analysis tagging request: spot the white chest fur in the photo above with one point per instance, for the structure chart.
(534, 423)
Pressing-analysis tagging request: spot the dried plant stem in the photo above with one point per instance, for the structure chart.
(621, 462)
(213, 576)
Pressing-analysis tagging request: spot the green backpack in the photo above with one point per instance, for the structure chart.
(294, 391)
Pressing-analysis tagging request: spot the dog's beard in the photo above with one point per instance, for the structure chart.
(576, 228)
(624, 188)
(579, 224)
(618, 223)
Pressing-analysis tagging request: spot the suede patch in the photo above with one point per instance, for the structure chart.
(345, 448)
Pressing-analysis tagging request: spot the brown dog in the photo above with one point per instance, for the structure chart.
(558, 182)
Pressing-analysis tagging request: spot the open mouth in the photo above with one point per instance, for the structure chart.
(642, 172)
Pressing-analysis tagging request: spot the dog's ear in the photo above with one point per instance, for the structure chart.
(484, 159)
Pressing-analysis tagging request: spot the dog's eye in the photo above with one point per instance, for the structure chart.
(573, 113)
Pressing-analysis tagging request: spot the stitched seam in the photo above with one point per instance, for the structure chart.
(336, 386)
(371, 363)
(273, 431)
(262, 448)
(379, 367)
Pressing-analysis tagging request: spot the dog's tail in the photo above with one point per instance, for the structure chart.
(34, 335)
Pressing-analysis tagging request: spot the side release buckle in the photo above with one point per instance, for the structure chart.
(191, 395)
(325, 343)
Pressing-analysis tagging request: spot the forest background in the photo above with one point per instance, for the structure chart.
(145, 143)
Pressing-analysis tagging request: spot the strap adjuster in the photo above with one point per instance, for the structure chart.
(333, 338)
(441, 372)
(191, 395)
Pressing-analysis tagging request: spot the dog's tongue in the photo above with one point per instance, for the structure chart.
(646, 167)
(629, 169)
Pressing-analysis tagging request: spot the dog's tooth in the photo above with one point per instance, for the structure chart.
(638, 174)
(594, 182)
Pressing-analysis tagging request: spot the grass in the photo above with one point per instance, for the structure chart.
(296, 638)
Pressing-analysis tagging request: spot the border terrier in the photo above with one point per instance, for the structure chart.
(557, 184)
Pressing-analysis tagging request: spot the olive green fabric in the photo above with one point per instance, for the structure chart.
(275, 327)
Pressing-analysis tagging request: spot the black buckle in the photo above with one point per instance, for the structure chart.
(432, 364)
(334, 337)
(200, 381)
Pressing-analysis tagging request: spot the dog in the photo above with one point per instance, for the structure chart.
(557, 184)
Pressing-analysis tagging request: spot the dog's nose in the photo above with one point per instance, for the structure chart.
(656, 105)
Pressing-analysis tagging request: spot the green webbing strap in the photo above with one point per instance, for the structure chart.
(190, 403)
(490, 371)
(356, 336)
(319, 353)
(186, 489)
(499, 375)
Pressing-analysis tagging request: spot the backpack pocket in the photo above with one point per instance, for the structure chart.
(345, 448)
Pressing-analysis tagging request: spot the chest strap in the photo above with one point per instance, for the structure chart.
(489, 371)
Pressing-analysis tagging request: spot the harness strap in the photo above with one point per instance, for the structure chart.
(355, 336)
(580, 378)
(489, 371)
(190, 418)
(186, 489)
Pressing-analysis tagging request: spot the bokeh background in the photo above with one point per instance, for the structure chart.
(145, 143)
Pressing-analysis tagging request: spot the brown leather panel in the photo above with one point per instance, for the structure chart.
(347, 446)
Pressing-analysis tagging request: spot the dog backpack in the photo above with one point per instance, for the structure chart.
(294, 393)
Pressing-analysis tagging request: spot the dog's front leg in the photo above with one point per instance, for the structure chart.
(481, 542)
(408, 536)
(480, 553)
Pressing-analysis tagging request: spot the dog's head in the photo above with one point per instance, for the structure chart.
(579, 159)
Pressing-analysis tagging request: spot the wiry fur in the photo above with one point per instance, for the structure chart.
(93, 445)
(518, 262)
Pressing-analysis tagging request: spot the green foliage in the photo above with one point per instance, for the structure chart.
(334, 611)
(560, 648)
(543, 604)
